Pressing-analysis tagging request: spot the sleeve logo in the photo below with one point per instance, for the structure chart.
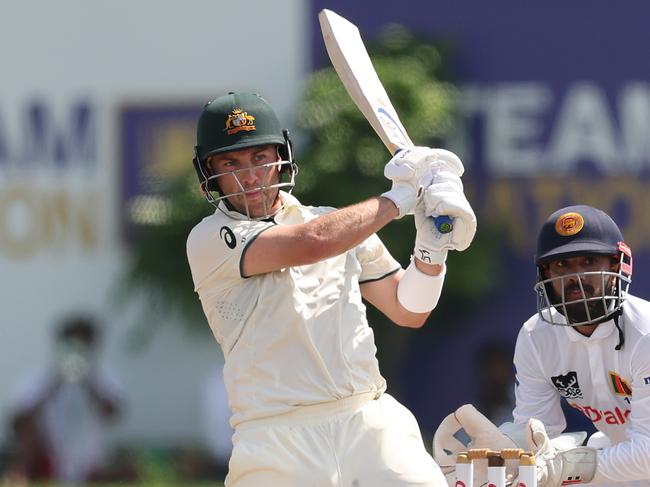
(228, 237)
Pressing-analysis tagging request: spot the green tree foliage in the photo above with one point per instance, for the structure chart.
(158, 272)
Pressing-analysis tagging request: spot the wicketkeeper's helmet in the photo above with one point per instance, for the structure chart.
(575, 231)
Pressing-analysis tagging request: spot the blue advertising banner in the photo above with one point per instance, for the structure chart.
(156, 147)
(555, 110)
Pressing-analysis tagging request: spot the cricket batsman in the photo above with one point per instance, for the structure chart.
(282, 286)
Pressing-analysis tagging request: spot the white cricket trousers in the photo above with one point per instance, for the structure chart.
(354, 442)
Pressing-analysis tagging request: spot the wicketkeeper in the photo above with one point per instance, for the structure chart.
(588, 345)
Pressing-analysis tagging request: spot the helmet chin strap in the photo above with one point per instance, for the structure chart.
(621, 336)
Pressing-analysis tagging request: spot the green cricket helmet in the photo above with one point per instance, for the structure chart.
(239, 121)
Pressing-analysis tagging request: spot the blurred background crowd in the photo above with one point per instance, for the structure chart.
(108, 371)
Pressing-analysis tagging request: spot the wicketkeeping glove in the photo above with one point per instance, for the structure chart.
(481, 432)
(410, 172)
(558, 465)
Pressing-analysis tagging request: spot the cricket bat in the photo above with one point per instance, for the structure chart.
(352, 63)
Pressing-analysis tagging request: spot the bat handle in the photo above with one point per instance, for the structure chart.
(443, 223)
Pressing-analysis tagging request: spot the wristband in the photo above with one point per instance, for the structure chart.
(419, 292)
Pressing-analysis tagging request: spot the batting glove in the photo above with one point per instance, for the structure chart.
(445, 197)
(431, 246)
(447, 161)
(410, 172)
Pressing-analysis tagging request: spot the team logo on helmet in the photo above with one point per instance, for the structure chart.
(620, 385)
(569, 224)
(239, 121)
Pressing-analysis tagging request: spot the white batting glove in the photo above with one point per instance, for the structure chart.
(410, 172)
(431, 246)
(557, 463)
(445, 197)
(447, 161)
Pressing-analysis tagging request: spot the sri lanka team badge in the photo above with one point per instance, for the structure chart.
(621, 386)
(238, 121)
(569, 224)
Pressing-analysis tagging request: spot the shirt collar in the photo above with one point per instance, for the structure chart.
(602, 331)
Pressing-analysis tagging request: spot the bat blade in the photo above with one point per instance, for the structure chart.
(352, 63)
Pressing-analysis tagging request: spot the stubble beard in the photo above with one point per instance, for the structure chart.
(582, 311)
(266, 206)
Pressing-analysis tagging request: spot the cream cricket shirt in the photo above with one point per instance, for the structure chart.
(293, 337)
(612, 388)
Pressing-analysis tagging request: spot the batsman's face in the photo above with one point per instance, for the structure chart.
(245, 177)
(577, 279)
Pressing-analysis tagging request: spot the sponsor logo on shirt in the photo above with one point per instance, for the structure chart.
(567, 385)
(646, 380)
(228, 237)
(609, 416)
(621, 386)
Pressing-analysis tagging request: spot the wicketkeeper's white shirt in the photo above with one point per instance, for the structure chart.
(612, 388)
(294, 337)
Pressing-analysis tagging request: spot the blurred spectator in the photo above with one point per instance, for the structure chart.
(60, 415)
(496, 381)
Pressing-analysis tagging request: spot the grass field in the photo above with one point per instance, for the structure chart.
(145, 467)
